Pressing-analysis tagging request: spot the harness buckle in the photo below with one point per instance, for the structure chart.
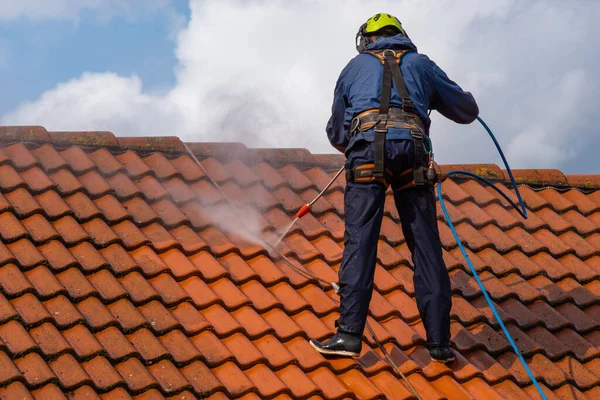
(381, 124)
(408, 106)
(354, 126)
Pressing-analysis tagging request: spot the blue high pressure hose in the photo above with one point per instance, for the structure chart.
(521, 211)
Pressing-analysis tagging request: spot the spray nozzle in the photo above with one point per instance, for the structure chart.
(303, 211)
(336, 287)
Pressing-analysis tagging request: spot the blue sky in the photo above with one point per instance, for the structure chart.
(38, 54)
(157, 67)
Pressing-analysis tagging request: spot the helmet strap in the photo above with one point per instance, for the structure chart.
(362, 41)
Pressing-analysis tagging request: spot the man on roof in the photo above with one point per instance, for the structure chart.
(380, 121)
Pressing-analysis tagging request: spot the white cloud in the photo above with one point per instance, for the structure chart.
(263, 73)
(102, 100)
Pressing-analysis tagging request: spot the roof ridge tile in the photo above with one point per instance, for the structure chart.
(91, 139)
(16, 134)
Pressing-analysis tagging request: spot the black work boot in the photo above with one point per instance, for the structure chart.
(441, 354)
(341, 344)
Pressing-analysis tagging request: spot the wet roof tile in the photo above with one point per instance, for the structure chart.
(112, 257)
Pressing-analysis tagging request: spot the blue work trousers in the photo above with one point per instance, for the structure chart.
(364, 204)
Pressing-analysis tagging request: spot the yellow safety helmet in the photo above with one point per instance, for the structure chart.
(378, 23)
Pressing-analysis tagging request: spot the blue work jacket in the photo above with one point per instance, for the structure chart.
(358, 89)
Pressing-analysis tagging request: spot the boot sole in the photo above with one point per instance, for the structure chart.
(334, 352)
(446, 361)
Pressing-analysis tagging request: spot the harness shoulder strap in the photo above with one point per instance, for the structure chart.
(392, 59)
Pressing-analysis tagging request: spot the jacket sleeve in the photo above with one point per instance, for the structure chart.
(451, 101)
(336, 127)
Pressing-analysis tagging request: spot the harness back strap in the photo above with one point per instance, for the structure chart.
(381, 125)
(408, 107)
(390, 60)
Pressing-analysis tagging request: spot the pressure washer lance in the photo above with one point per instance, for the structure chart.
(306, 208)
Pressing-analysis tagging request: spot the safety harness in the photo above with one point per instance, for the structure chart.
(383, 119)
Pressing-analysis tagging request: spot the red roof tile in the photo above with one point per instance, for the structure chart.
(117, 281)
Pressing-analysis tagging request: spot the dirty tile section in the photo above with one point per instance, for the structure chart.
(125, 273)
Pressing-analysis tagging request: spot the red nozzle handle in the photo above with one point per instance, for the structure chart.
(303, 211)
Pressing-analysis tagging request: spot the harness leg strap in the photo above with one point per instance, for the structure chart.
(379, 154)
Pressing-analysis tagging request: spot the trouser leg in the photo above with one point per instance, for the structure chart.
(363, 204)
(432, 284)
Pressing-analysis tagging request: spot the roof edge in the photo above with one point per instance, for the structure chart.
(277, 157)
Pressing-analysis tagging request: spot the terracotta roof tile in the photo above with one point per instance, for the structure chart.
(16, 389)
(49, 158)
(107, 286)
(130, 235)
(9, 371)
(35, 371)
(77, 285)
(190, 318)
(147, 345)
(11, 229)
(96, 314)
(37, 180)
(88, 257)
(115, 343)
(127, 315)
(63, 311)
(581, 270)
(5, 205)
(169, 377)
(110, 257)
(222, 322)
(180, 347)
(95, 185)
(580, 347)
(330, 385)
(83, 342)
(201, 378)
(31, 310)
(7, 311)
(134, 165)
(220, 244)
(10, 179)
(103, 374)
(245, 353)
(160, 319)
(69, 372)
(119, 260)
(136, 376)
(22, 202)
(20, 156)
(13, 281)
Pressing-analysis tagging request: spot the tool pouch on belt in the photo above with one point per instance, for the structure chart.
(366, 174)
(384, 118)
